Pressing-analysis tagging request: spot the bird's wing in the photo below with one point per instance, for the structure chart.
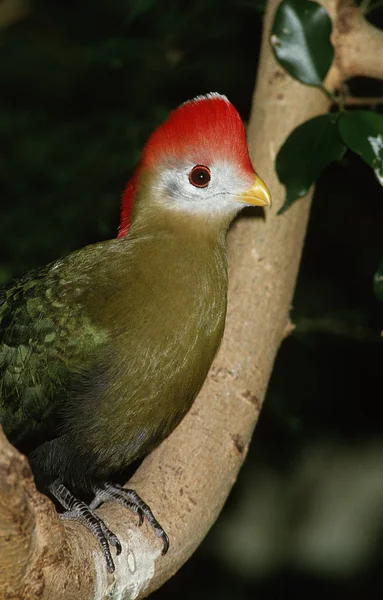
(45, 343)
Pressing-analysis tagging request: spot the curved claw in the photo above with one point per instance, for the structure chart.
(111, 537)
(165, 539)
(116, 543)
(77, 510)
(140, 517)
(130, 499)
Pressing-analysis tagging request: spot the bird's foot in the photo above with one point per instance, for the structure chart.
(76, 510)
(130, 499)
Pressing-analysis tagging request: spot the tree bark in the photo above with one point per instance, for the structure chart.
(187, 479)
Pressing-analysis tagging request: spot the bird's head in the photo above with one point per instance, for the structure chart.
(196, 163)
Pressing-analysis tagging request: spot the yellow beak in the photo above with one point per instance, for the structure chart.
(258, 194)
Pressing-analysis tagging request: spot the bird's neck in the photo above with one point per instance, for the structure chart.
(163, 221)
(150, 213)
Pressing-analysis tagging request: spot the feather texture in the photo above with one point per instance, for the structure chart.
(99, 359)
(103, 352)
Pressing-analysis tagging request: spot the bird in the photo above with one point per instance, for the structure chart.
(103, 351)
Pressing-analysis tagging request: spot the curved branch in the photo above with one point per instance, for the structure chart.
(358, 43)
(186, 480)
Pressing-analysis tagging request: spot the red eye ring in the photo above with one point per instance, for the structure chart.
(200, 176)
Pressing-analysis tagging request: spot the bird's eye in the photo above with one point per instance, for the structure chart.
(200, 176)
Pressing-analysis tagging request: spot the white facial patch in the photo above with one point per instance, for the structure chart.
(219, 197)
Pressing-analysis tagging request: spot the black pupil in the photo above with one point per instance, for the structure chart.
(200, 176)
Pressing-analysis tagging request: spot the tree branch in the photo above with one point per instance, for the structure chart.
(358, 43)
(357, 101)
(186, 480)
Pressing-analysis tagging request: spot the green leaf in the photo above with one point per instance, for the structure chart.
(300, 38)
(378, 281)
(306, 152)
(362, 132)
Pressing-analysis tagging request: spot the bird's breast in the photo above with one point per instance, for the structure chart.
(166, 330)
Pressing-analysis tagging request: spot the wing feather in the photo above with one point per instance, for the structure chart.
(45, 342)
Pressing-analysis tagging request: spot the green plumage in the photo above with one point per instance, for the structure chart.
(39, 352)
(103, 352)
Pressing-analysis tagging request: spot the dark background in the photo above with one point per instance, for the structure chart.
(82, 84)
